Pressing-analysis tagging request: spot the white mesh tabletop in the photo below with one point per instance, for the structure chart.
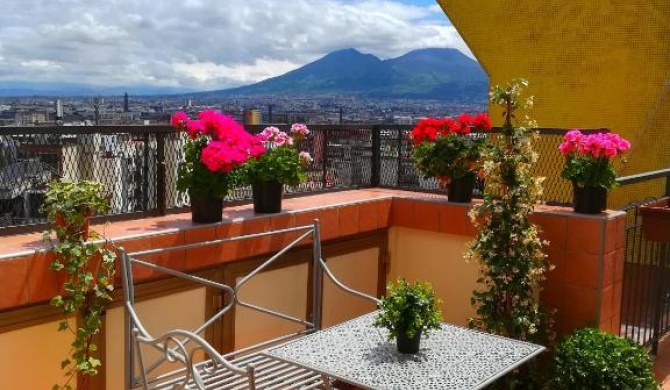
(450, 358)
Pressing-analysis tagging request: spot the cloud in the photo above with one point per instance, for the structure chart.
(203, 43)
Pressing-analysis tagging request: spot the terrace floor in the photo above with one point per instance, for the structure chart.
(662, 363)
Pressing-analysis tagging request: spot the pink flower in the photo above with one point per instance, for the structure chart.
(210, 121)
(573, 135)
(566, 147)
(300, 128)
(256, 150)
(268, 133)
(194, 128)
(596, 145)
(282, 139)
(571, 142)
(228, 144)
(305, 158)
(179, 119)
(623, 145)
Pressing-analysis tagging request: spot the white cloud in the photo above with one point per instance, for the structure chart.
(41, 65)
(261, 69)
(203, 43)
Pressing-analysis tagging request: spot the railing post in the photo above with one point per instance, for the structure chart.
(376, 156)
(324, 157)
(399, 162)
(145, 173)
(160, 173)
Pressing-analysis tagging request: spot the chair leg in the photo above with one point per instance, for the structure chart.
(327, 383)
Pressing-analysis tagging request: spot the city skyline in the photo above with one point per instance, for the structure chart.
(200, 44)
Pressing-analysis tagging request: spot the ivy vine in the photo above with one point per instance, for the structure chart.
(89, 271)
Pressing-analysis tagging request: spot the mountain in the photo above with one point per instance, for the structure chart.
(442, 74)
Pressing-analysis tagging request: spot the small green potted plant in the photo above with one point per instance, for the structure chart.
(70, 205)
(281, 164)
(89, 273)
(407, 312)
(592, 359)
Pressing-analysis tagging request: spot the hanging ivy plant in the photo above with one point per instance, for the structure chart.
(507, 245)
(89, 270)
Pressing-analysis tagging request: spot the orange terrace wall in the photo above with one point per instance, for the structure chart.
(372, 236)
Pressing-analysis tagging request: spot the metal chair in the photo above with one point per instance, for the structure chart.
(242, 369)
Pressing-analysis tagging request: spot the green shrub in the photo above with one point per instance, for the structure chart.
(592, 359)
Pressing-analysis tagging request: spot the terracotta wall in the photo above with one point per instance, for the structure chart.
(183, 310)
(427, 238)
(588, 252)
(436, 258)
(30, 357)
(584, 289)
(357, 270)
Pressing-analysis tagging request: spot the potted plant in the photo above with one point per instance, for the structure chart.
(70, 205)
(589, 166)
(89, 270)
(407, 312)
(280, 164)
(447, 150)
(215, 148)
(593, 359)
(656, 220)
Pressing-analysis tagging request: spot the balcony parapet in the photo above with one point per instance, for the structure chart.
(587, 250)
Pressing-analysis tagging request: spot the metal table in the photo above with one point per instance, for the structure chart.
(451, 358)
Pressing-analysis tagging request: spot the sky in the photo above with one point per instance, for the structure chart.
(203, 44)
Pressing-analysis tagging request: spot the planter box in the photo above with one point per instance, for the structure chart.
(656, 220)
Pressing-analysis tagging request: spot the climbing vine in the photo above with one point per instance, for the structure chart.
(507, 245)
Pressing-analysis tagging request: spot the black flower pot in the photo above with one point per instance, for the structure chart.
(460, 190)
(206, 209)
(588, 199)
(408, 345)
(267, 196)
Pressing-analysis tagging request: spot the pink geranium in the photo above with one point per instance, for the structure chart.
(268, 133)
(594, 145)
(281, 161)
(305, 158)
(299, 131)
(589, 157)
(194, 128)
(220, 144)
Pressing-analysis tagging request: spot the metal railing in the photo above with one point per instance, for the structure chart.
(645, 304)
(138, 166)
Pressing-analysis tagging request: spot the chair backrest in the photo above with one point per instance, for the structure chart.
(179, 345)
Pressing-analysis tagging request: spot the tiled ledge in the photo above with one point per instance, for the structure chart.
(26, 278)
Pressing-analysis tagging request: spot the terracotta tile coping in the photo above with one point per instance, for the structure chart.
(29, 244)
